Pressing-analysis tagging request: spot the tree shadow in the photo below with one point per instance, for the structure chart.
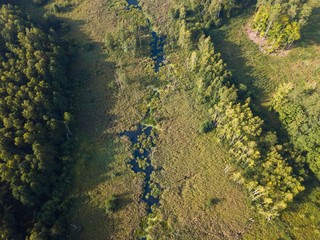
(243, 73)
(123, 200)
(92, 77)
(310, 33)
(304, 197)
(233, 55)
(212, 202)
(82, 209)
(92, 97)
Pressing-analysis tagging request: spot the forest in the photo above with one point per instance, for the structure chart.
(34, 122)
(159, 120)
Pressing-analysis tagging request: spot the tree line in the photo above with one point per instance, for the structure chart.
(301, 123)
(270, 169)
(34, 118)
(261, 166)
(208, 13)
(280, 22)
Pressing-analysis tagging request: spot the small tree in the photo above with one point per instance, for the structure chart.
(109, 42)
(111, 204)
(206, 126)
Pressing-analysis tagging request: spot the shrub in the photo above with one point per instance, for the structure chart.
(111, 204)
(206, 126)
(212, 202)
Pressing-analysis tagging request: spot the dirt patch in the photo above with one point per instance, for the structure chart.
(262, 43)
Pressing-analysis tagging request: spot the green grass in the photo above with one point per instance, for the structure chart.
(192, 164)
(190, 171)
(100, 113)
(262, 74)
(189, 165)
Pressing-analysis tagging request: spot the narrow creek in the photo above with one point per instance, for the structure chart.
(157, 50)
(143, 139)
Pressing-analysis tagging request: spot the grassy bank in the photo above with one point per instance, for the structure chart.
(100, 112)
(197, 199)
(262, 74)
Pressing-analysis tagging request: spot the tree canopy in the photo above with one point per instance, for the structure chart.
(280, 22)
(32, 124)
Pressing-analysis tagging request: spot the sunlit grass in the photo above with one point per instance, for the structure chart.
(262, 74)
(189, 165)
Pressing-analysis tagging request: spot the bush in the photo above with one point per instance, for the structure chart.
(212, 202)
(62, 7)
(206, 126)
(109, 42)
(111, 204)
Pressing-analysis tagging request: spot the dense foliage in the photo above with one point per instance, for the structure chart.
(259, 161)
(33, 128)
(280, 22)
(133, 35)
(301, 123)
(208, 13)
(131, 40)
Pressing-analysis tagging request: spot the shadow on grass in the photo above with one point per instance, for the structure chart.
(123, 200)
(233, 55)
(91, 78)
(94, 214)
(310, 34)
(243, 73)
(213, 202)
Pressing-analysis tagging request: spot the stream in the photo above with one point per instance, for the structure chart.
(143, 138)
(142, 141)
(157, 50)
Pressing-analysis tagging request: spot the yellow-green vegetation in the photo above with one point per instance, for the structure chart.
(232, 151)
(280, 22)
(34, 132)
(298, 68)
(190, 170)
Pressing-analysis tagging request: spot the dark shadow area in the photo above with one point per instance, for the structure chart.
(303, 197)
(212, 202)
(310, 33)
(92, 96)
(123, 200)
(215, 201)
(243, 74)
(77, 225)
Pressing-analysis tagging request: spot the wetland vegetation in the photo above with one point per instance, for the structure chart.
(159, 119)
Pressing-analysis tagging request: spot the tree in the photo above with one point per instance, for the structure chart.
(280, 22)
(32, 90)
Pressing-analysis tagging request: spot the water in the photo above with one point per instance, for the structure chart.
(142, 141)
(133, 3)
(157, 50)
(157, 43)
